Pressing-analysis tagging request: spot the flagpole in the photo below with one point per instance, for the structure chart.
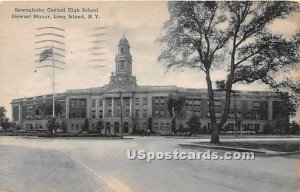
(53, 83)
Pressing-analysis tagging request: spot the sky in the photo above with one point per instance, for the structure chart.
(85, 67)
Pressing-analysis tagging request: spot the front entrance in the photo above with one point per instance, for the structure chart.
(107, 127)
(126, 127)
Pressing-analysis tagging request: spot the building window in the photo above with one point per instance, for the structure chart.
(145, 113)
(156, 101)
(197, 113)
(118, 113)
(197, 102)
(156, 126)
(249, 104)
(167, 126)
(256, 104)
(77, 126)
(218, 114)
(118, 102)
(137, 113)
(100, 114)
(137, 101)
(77, 108)
(156, 113)
(218, 103)
(145, 101)
(161, 127)
(100, 102)
(109, 102)
(127, 102)
(72, 126)
(162, 101)
(127, 113)
(93, 103)
(109, 113)
(93, 114)
(144, 125)
(162, 113)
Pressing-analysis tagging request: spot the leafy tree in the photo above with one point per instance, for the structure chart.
(294, 127)
(63, 125)
(86, 125)
(234, 36)
(175, 105)
(4, 121)
(2, 112)
(99, 126)
(194, 123)
(52, 125)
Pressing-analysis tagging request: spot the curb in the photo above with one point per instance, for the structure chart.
(240, 149)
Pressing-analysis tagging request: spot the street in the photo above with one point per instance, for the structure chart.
(100, 164)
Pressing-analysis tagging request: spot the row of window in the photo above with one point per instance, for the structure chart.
(161, 113)
(159, 101)
(117, 102)
(137, 101)
(36, 126)
(144, 114)
(77, 103)
(117, 113)
(162, 126)
(143, 127)
(76, 126)
(193, 102)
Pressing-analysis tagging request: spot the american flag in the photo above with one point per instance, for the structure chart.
(45, 54)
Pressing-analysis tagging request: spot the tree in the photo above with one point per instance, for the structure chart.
(2, 112)
(99, 126)
(4, 121)
(86, 125)
(234, 36)
(194, 124)
(294, 127)
(52, 125)
(63, 125)
(175, 105)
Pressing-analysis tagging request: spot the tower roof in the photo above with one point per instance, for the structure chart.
(123, 41)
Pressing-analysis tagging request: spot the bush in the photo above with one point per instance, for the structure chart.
(138, 131)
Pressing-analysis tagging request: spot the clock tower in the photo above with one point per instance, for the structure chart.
(123, 73)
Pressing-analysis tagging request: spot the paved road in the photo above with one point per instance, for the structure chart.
(41, 164)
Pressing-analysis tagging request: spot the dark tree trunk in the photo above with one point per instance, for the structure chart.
(215, 129)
